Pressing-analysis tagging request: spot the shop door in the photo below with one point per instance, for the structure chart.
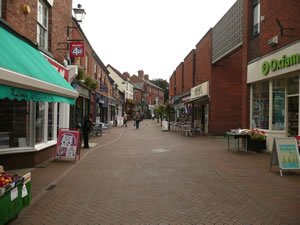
(293, 116)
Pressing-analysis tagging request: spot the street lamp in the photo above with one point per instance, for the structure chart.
(79, 13)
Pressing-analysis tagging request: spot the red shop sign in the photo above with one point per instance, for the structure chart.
(76, 49)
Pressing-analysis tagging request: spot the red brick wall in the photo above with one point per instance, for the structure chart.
(288, 15)
(26, 24)
(203, 59)
(179, 79)
(225, 111)
(189, 70)
(61, 19)
(137, 95)
(161, 97)
(171, 85)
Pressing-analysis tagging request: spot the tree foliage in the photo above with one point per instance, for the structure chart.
(164, 85)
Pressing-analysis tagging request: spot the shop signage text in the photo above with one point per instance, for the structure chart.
(76, 49)
(200, 90)
(274, 64)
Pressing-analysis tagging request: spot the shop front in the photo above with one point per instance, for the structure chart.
(274, 93)
(200, 104)
(112, 109)
(103, 103)
(33, 95)
(81, 107)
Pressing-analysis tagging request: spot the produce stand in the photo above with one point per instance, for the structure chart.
(14, 196)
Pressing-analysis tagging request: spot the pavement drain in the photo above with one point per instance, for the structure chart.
(51, 187)
(159, 150)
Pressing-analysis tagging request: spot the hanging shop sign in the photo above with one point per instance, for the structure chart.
(103, 88)
(76, 49)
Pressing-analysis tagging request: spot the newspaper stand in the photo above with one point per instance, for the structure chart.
(68, 144)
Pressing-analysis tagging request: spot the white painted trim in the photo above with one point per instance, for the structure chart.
(14, 79)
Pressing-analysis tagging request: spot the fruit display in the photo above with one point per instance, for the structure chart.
(8, 181)
(5, 179)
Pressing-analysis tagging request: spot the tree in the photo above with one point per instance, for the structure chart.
(163, 84)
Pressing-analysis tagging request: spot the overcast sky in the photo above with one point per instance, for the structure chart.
(150, 35)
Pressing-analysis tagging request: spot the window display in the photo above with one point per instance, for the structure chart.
(278, 111)
(293, 85)
(40, 122)
(293, 116)
(260, 113)
(13, 124)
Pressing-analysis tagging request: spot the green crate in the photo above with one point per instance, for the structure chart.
(10, 209)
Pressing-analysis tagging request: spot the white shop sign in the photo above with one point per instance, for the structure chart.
(200, 90)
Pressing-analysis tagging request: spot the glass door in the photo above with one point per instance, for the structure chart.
(293, 116)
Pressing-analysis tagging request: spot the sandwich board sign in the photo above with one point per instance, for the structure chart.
(285, 154)
(68, 145)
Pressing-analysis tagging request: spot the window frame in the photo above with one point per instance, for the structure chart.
(41, 27)
(0, 8)
(255, 26)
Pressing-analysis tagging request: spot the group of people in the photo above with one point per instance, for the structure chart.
(137, 119)
(88, 125)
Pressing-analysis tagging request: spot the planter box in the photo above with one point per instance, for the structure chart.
(256, 145)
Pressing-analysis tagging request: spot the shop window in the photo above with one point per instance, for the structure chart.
(40, 122)
(52, 123)
(13, 124)
(260, 105)
(293, 85)
(278, 112)
(256, 18)
(42, 24)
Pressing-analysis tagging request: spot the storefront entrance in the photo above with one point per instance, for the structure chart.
(293, 116)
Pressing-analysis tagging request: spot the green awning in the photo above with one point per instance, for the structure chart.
(25, 74)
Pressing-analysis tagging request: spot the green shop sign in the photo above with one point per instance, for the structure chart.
(274, 64)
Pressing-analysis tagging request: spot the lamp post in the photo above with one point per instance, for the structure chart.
(79, 13)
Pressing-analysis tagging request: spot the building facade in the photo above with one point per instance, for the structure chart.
(33, 80)
(272, 67)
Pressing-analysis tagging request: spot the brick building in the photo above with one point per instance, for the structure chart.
(271, 67)
(152, 95)
(248, 67)
(208, 83)
(32, 72)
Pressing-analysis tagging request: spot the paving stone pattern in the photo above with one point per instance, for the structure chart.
(153, 177)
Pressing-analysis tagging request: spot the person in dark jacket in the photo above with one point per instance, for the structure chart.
(86, 129)
(137, 119)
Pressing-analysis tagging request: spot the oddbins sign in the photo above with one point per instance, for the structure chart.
(76, 49)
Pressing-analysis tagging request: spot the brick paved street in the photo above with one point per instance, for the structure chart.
(148, 176)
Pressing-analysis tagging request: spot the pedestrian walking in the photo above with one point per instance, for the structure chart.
(125, 120)
(137, 119)
(86, 129)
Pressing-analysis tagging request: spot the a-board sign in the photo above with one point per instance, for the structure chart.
(164, 125)
(68, 144)
(285, 154)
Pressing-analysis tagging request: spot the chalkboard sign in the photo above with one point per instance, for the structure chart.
(285, 154)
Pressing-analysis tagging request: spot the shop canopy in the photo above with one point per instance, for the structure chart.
(25, 74)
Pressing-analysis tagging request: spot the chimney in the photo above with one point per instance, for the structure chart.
(126, 74)
(146, 77)
(141, 74)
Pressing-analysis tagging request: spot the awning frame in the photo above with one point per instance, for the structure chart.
(14, 79)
